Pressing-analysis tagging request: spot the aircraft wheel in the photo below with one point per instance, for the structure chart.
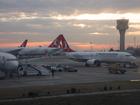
(97, 63)
(87, 65)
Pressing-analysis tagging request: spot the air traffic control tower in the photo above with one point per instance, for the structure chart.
(122, 26)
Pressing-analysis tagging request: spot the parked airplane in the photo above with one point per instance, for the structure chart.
(96, 58)
(92, 58)
(28, 52)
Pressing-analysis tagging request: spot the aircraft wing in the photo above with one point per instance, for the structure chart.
(14, 51)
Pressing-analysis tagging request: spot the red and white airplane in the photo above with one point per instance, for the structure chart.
(38, 51)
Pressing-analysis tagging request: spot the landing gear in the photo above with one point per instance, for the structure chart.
(97, 63)
(87, 65)
(133, 65)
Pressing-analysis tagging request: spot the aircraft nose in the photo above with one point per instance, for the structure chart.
(12, 65)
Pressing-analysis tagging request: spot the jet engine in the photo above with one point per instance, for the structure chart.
(8, 63)
(93, 62)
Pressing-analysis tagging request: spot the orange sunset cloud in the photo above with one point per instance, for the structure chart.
(30, 44)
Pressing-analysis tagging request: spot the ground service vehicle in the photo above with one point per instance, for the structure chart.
(116, 69)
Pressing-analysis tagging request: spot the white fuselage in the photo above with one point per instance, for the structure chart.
(8, 49)
(37, 51)
(101, 56)
(13, 51)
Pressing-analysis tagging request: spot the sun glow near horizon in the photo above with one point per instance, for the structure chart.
(73, 45)
(133, 17)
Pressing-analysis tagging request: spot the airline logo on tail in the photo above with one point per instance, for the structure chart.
(60, 42)
(24, 44)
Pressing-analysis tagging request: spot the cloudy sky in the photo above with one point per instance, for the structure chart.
(85, 24)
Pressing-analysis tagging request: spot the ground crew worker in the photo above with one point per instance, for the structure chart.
(52, 71)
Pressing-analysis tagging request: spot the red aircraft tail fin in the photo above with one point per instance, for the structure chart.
(55, 43)
(60, 42)
(24, 44)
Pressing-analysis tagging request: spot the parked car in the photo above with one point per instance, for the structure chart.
(70, 69)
